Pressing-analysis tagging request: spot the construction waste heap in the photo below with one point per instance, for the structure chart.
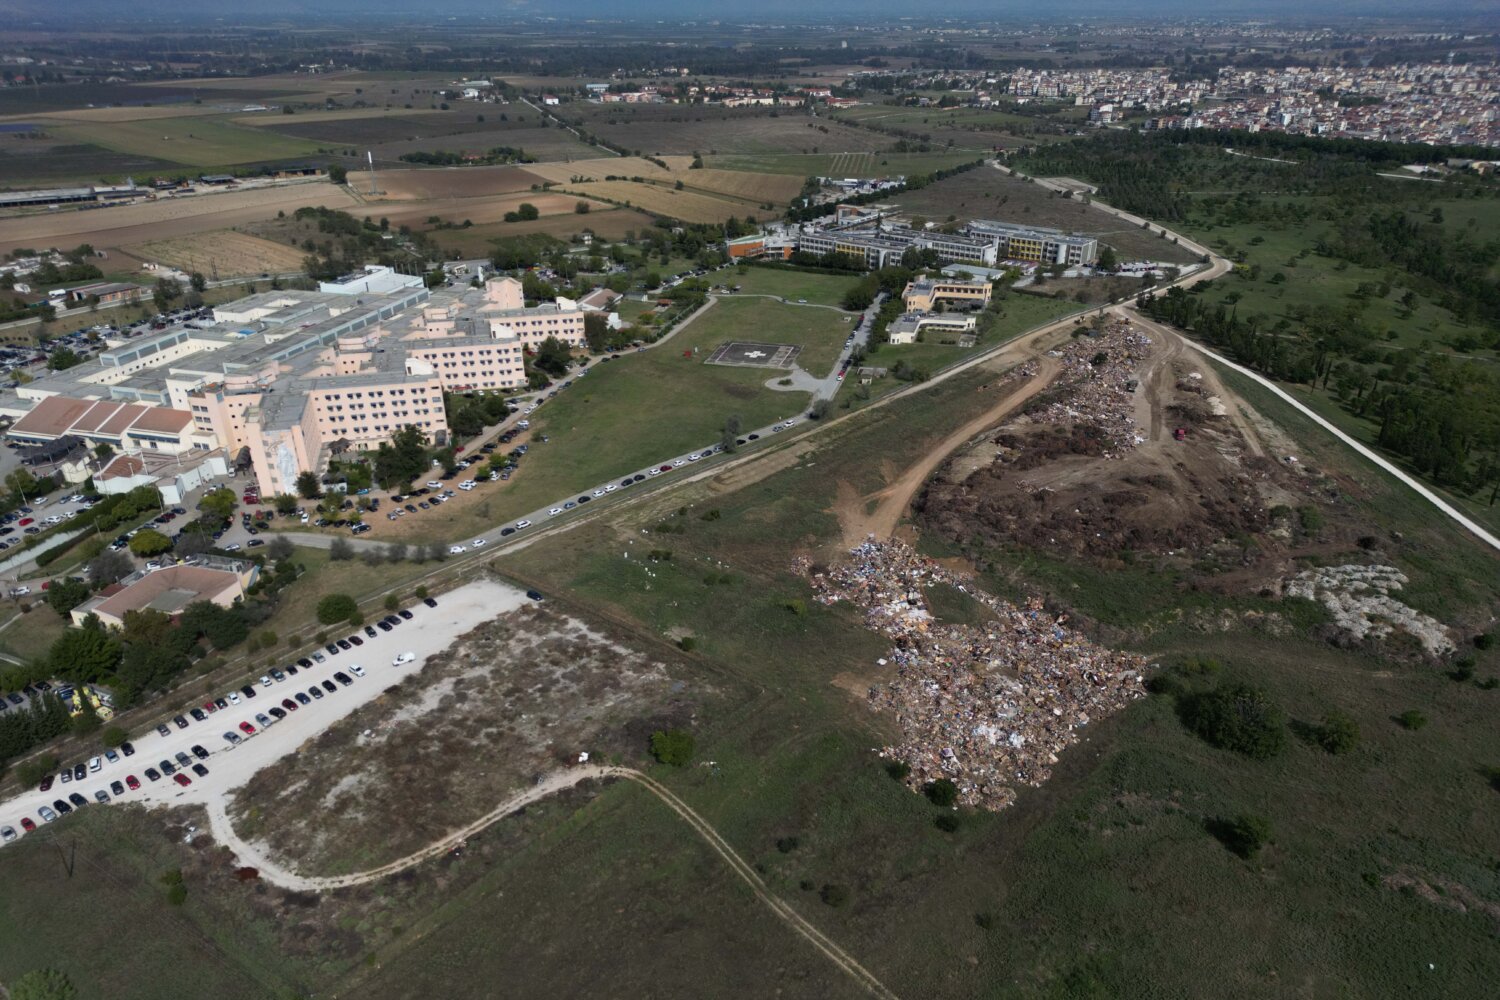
(1096, 385)
(987, 706)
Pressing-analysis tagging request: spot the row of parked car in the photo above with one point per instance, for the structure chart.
(184, 763)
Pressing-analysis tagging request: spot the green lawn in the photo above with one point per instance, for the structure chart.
(652, 405)
(825, 289)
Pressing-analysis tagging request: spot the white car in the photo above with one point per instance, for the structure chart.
(403, 658)
(693, 457)
(466, 487)
(477, 542)
(234, 547)
(610, 488)
(234, 698)
(458, 550)
(554, 512)
(356, 670)
(433, 484)
(19, 591)
(679, 463)
(598, 493)
(522, 524)
(265, 680)
(653, 471)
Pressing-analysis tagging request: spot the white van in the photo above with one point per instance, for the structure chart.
(403, 658)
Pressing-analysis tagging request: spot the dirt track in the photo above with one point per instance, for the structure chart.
(891, 503)
(224, 832)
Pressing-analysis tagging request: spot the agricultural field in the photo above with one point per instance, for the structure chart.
(604, 221)
(986, 193)
(222, 253)
(53, 161)
(127, 225)
(480, 211)
(688, 206)
(417, 184)
(773, 189)
(858, 164)
(668, 129)
(597, 168)
(195, 142)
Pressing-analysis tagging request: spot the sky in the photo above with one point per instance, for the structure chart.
(761, 10)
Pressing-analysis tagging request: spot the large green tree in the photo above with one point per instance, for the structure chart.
(149, 542)
(85, 654)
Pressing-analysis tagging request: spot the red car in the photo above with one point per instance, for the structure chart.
(289, 704)
(182, 779)
(665, 468)
(27, 824)
(23, 522)
(132, 782)
(46, 784)
(247, 729)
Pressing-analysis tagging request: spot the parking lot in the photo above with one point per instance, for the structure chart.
(229, 764)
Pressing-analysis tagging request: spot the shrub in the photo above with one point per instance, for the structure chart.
(672, 746)
(834, 895)
(899, 770)
(421, 593)
(113, 737)
(1411, 719)
(1339, 733)
(1236, 717)
(687, 644)
(786, 845)
(1244, 834)
(947, 822)
(335, 608)
(1484, 640)
(33, 771)
(942, 792)
(392, 602)
(796, 606)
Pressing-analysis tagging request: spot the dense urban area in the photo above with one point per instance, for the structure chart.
(895, 505)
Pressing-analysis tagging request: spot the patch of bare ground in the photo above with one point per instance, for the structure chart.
(1137, 453)
(514, 698)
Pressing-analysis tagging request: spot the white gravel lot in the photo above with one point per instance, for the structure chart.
(430, 630)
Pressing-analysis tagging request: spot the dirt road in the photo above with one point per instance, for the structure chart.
(272, 872)
(890, 504)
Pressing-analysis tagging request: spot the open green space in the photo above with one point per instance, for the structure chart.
(1060, 895)
(194, 142)
(823, 289)
(649, 406)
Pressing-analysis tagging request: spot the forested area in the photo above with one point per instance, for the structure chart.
(1387, 297)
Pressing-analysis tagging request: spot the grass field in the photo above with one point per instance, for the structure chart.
(227, 253)
(647, 407)
(825, 289)
(1103, 883)
(194, 142)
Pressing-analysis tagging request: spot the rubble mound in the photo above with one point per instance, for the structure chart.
(1125, 455)
(988, 706)
(1359, 599)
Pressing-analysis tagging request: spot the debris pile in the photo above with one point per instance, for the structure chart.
(987, 706)
(1097, 382)
(1359, 598)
